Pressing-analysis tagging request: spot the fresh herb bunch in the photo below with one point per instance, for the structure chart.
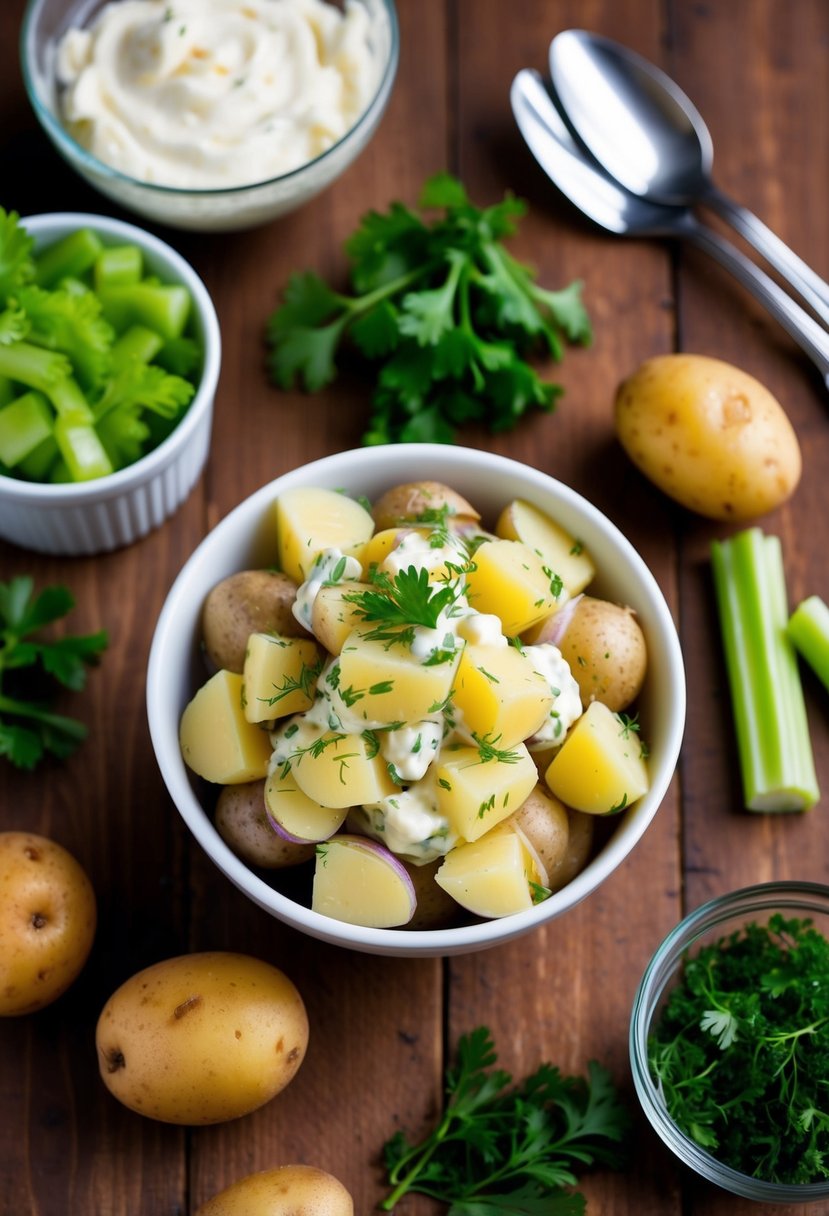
(442, 309)
(510, 1151)
(741, 1051)
(30, 669)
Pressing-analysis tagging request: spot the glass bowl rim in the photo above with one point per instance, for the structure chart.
(806, 897)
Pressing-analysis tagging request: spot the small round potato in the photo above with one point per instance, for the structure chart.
(252, 601)
(606, 650)
(242, 822)
(577, 854)
(47, 921)
(435, 908)
(708, 435)
(542, 821)
(409, 501)
(201, 1038)
(288, 1190)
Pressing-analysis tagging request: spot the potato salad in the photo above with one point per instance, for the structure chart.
(397, 699)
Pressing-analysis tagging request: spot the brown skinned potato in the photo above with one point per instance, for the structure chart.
(288, 1190)
(606, 651)
(406, 502)
(242, 822)
(435, 909)
(542, 821)
(577, 853)
(252, 601)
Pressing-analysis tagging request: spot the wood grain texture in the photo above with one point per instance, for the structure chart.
(382, 1030)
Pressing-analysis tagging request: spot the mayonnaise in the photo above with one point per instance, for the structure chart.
(329, 568)
(548, 662)
(409, 823)
(205, 94)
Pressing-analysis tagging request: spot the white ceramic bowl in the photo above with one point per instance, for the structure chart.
(215, 210)
(245, 538)
(95, 516)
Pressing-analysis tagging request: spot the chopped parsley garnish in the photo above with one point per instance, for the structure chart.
(741, 1050)
(487, 750)
(400, 603)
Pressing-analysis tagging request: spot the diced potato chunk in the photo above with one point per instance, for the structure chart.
(342, 770)
(358, 881)
(490, 877)
(333, 618)
(279, 676)
(309, 520)
(387, 683)
(511, 581)
(475, 793)
(296, 813)
(217, 741)
(563, 553)
(499, 695)
(599, 767)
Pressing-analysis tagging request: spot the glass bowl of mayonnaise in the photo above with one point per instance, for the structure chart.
(209, 115)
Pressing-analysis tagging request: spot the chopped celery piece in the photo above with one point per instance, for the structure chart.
(137, 342)
(81, 448)
(24, 424)
(118, 266)
(808, 628)
(69, 401)
(33, 366)
(773, 741)
(37, 466)
(162, 307)
(7, 390)
(67, 258)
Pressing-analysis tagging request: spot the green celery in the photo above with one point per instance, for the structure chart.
(24, 425)
(163, 307)
(34, 366)
(67, 258)
(38, 464)
(7, 391)
(81, 449)
(808, 629)
(137, 342)
(772, 730)
(118, 266)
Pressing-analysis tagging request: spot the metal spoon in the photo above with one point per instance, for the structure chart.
(648, 135)
(616, 210)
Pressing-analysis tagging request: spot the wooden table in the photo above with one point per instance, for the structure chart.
(383, 1029)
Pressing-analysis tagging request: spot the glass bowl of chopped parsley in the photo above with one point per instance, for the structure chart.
(729, 1042)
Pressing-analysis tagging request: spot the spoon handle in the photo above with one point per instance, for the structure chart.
(810, 336)
(808, 285)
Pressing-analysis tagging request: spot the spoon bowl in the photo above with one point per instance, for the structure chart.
(644, 132)
(619, 211)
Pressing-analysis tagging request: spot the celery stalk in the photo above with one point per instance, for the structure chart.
(808, 629)
(68, 257)
(772, 730)
(24, 424)
(118, 266)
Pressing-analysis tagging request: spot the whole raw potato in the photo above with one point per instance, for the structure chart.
(709, 435)
(289, 1190)
(47, 921)
(201, 1038)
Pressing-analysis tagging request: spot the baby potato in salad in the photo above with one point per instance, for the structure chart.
(419, 715)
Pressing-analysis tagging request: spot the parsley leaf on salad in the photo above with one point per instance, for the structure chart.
(441, 308)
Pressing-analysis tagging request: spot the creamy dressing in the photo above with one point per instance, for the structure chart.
(409, 823)
(548, 661)
(205, 94)
(329, 568)
(411, 749)
(415, 548)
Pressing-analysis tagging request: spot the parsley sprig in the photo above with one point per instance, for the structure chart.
(30, 669)
(445, 312)
(400, 602)
(741, 1051)
(506, 1150)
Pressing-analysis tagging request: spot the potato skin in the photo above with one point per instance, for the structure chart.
(252, 601)
(709, 435)
(542, 821)
(201, 1038)
(606, 651)
(287, 1190)
(242, 822)
(404, 503)
(577, 853)
(47, 921)
(435, 909)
